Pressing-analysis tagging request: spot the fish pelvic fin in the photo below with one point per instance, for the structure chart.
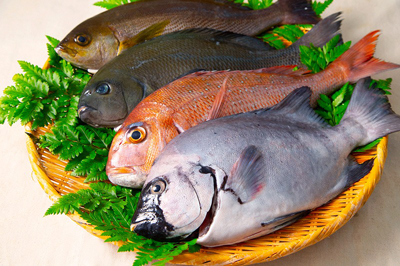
(370, 108)
(298, 12)
(144, 35)
(321, 33)
(359, 62)
(357, 171)
(246, 177)
(285, 220)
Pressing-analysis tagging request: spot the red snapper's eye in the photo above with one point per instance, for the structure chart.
(137, 134)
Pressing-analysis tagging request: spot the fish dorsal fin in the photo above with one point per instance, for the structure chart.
(297, 106)
(218, 36)
(190, 73)
(144, 35)
(232, 4)
(282, 70)
(218, 102)
(246, 177)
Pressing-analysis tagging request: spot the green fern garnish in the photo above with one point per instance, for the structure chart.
(255, 4)
(110, 209)
(85, 147)
(108, 4)
(42, 95)
(333, 108)
(317, 59)
(288, 33)
(319, 8)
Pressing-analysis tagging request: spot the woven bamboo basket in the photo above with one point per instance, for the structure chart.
(319, 224)
(49, 172)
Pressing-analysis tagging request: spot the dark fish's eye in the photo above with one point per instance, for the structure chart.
(158, 187)
(103, 89)
(137, 134)
(82, 39)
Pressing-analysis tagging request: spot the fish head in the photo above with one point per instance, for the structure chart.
(109, 97)
(175, 199)
(138, 142)
(88, 46)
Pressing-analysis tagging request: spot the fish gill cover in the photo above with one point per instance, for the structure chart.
(49, 97)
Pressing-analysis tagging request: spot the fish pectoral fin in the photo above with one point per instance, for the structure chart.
(144, 35)
(285, 220)
(357, 171)
(180, 123)
(247, 175)
(218, 102)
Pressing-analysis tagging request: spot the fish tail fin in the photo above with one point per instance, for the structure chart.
(359, 60)
(321, 33)
(297, 12)
(370, 108)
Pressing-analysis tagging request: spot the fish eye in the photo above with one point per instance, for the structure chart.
(137, 134)
(158, 187)
(82, 39)
(103, 89)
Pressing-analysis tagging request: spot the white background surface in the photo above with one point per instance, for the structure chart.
(372, 237)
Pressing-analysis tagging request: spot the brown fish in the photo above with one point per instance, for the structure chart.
(187, 102)
(99, 39)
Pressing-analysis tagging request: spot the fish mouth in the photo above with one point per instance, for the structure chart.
(126, 177)
(62, 51)
(93, 117)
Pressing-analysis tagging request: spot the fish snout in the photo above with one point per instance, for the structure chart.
(154, 229)
(87, 115)
(126, 177)
(63, 51)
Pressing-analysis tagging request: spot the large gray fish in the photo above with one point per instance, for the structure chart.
(121, 84)
(97, 40)
(240, 177)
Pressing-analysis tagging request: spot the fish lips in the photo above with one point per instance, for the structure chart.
(126, 176)
(65, 52)
(90, 116)
(157, 228)
(148, 220)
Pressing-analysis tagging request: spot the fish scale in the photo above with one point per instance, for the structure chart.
(187, 102)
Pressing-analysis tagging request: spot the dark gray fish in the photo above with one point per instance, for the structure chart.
(121, 84)
(247, 175)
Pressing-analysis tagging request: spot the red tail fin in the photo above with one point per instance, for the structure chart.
(359, 60)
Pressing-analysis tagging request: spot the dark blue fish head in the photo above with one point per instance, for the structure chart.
(109, 97)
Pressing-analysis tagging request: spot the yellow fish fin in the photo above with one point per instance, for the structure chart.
(144, 35)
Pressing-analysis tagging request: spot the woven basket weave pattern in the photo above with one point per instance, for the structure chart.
(319, 224)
